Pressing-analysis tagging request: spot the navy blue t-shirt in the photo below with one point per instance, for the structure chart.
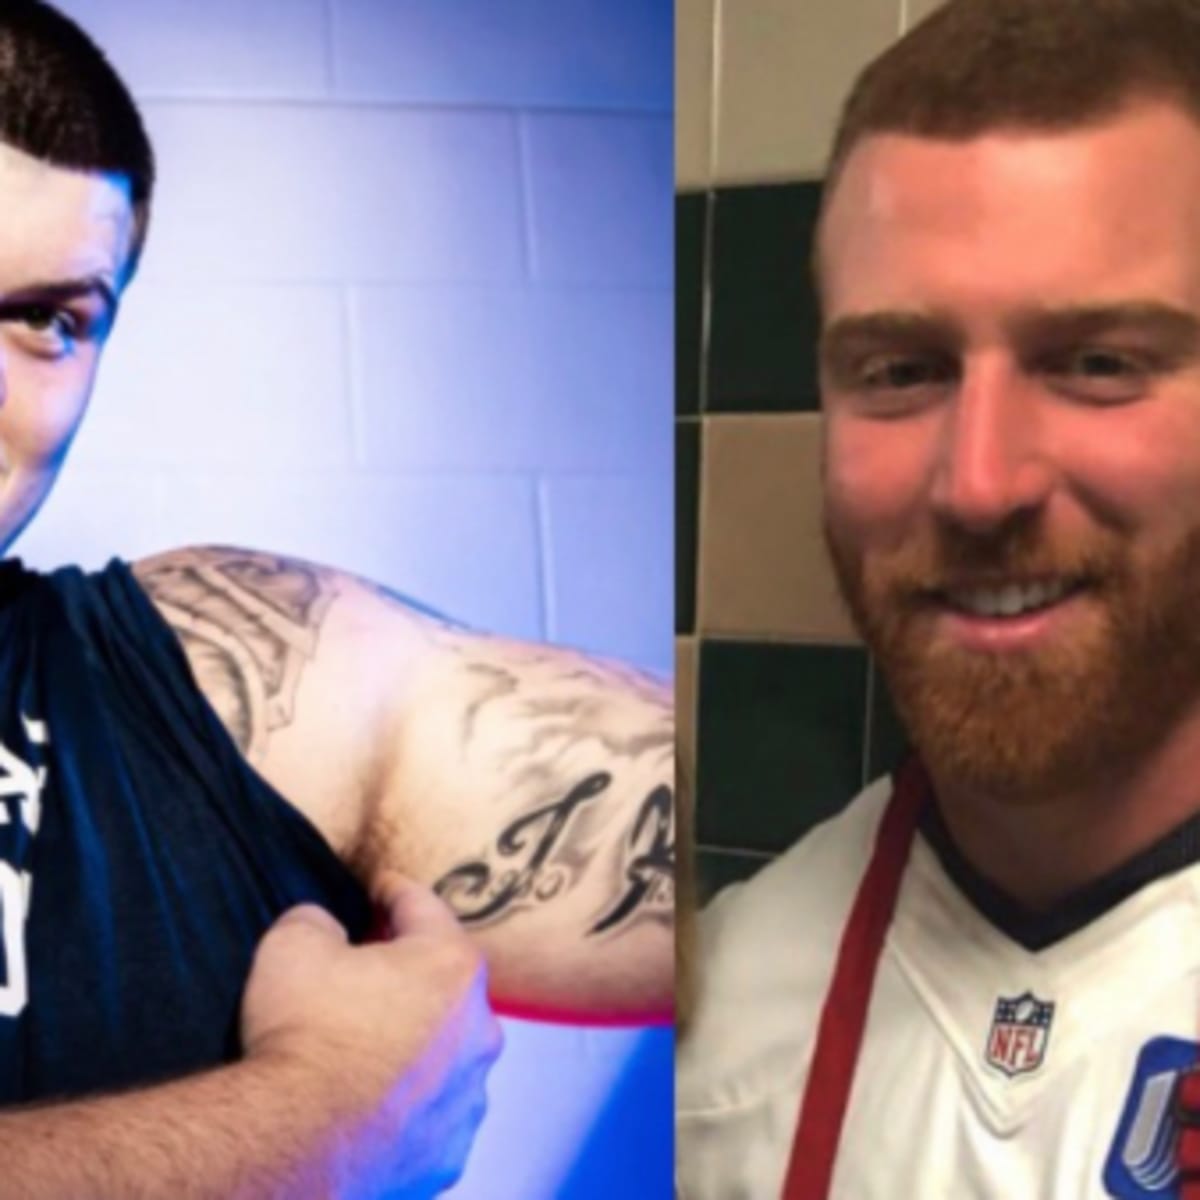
(141, 858)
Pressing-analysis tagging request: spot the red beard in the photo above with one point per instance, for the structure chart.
(1097, 697)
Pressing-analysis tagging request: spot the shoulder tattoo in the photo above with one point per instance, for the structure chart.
(249, 623)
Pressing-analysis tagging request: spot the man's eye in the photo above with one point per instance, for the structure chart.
(45, 318)
(900, 373)
(1101, 364)
(1098, 373)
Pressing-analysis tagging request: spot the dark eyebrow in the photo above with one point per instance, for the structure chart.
(849, 336)
(1178, 329)
(61, 290)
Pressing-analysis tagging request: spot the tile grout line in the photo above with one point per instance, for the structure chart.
(710, 204)
(709, 848)
(714, 92)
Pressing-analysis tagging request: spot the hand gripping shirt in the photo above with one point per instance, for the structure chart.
(141, 858)
(989, 1068)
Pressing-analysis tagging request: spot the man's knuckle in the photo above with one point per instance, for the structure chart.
(456, 959)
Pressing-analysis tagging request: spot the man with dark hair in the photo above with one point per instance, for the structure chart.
(983, 977)
(167, 915)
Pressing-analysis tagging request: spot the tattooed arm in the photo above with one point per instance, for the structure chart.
(531, 786)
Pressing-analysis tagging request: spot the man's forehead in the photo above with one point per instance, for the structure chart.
(1121, 193)
(60, 222)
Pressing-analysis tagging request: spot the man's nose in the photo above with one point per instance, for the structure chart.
(993, 460)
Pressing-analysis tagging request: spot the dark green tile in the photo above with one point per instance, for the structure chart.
(687, 507)
(889, 745)
(764, 325)
(689, 298)
(716, 869)
(780, 733)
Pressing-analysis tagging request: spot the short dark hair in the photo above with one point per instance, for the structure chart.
(61, 101)
(976, 65)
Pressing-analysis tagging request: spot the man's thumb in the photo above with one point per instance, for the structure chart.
(314, 917)
(411, 907)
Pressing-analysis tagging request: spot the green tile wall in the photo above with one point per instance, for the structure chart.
(787, 734)
(690, 214)
(781, 740)
(764, 318)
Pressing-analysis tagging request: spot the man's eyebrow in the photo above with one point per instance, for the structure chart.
(59, 290)
(1177, 327)
(847, 335)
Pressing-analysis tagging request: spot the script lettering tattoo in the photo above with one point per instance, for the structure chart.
(650, 870)
(249, 624)
(482, 892)
(536, 720)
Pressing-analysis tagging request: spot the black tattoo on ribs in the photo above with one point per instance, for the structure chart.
(249, 623)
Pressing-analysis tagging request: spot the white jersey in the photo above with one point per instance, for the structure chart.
(986, 1070)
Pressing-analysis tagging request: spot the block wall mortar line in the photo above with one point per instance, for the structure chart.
(548, 617)
(354, 372)
(330, 33)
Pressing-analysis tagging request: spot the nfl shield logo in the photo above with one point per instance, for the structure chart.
(1020, 1030)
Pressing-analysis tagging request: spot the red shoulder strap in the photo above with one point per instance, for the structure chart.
(844, 1015)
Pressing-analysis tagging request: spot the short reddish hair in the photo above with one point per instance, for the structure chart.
(976, 65)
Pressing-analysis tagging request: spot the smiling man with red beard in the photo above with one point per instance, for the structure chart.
(983, 978)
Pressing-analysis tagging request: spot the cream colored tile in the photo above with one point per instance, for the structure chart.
(785, 67)
(687, 672)
(918, 10)
(693, 93)
(763, 567)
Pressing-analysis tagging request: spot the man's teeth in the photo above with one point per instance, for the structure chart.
(1008, 601)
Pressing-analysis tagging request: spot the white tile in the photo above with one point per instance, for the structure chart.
(220, 47)
(496, 380)
(219, 375)
(465, 546)
(601, 192)
(785, 68)
(566, 53)
(278, 193)
(693, 93)
(611, 566)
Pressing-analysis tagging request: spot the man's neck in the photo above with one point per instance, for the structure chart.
(1038, 849)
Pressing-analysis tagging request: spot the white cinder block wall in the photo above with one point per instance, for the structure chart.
(406, 309)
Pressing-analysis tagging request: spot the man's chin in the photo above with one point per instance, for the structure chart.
(1005, 724)
(19, 504)
(1032, 758)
